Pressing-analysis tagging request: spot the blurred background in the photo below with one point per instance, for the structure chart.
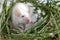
(46, 27)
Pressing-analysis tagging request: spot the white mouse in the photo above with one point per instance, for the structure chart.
(21, 15)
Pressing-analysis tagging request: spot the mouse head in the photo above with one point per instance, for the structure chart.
(22, 12)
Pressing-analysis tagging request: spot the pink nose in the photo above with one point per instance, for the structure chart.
(27, 20)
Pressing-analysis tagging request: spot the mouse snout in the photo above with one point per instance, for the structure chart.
(27, 20)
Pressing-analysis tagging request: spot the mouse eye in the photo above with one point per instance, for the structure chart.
(22, 16)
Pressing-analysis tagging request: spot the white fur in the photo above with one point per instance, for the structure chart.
(23, 10)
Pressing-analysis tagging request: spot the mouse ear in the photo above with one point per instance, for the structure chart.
(17, 12)
(30, 10)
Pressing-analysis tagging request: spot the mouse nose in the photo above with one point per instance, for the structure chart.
(27, 20)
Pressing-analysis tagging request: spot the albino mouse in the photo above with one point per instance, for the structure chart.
(21, 15)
